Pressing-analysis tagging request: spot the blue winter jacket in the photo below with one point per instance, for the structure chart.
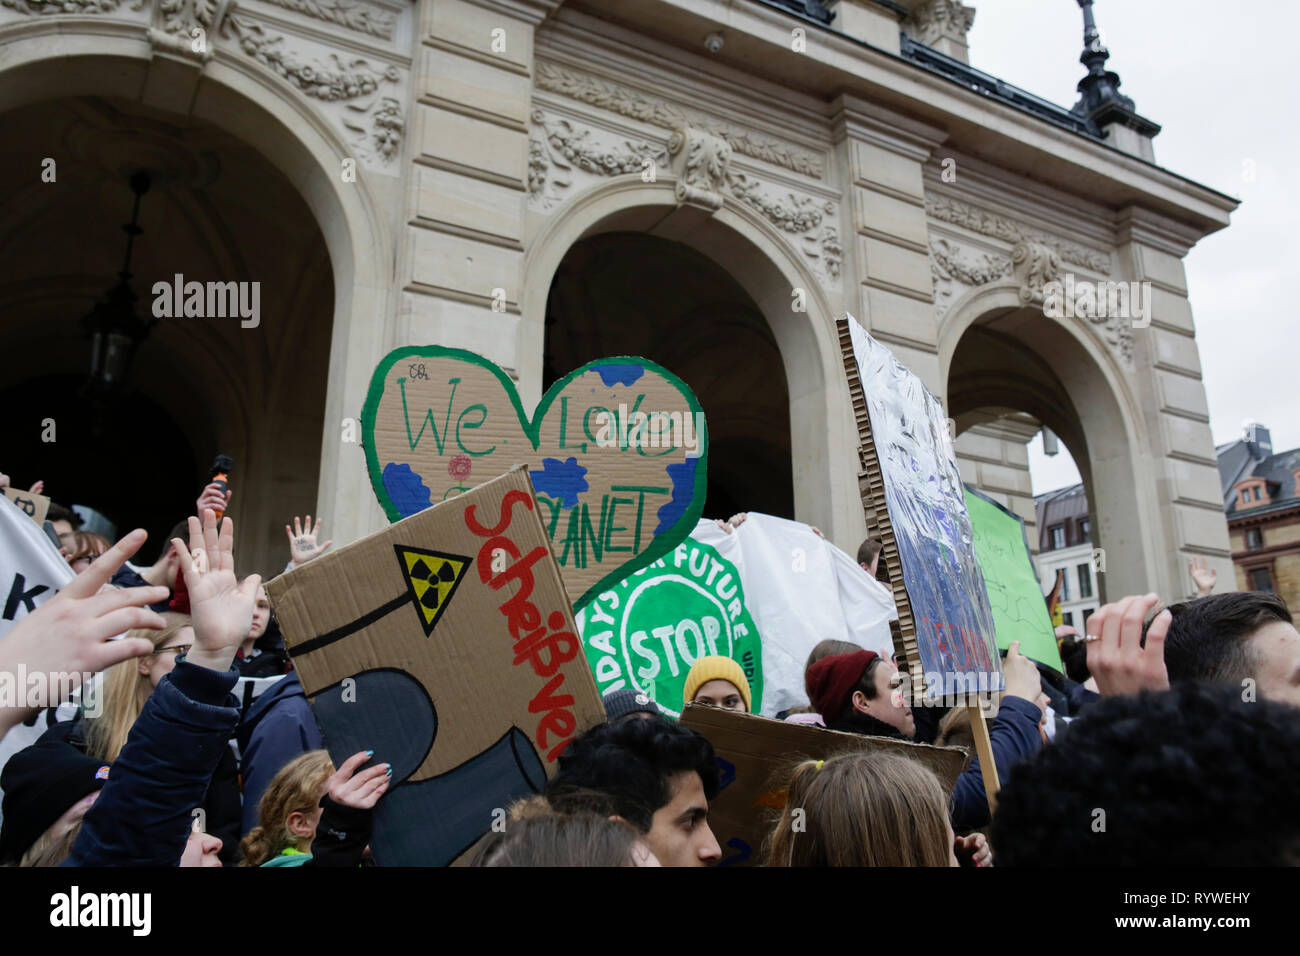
(144, 814)
(1014, 737)
(279, 726)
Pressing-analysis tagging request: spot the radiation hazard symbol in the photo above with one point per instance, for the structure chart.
(431, 579)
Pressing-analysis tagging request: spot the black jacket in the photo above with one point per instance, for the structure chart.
(144, 814)
(279, 726)
(221, 805)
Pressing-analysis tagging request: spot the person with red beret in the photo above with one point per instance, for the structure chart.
(859, 693)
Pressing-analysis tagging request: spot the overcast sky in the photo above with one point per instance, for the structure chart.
(1220, 78)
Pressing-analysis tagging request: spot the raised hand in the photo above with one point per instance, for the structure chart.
(1203, 576)
(212, 497)
(69, 633)
(221, 607)
(359, 790)
(973, 850)
(37, 488)
(302, 541)
(1116, 657)
(1021, 675)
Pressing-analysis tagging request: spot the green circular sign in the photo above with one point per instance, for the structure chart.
(647, 631)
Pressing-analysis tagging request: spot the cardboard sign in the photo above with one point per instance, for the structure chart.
(446, 644)
(647, 631)
(32, 505)
(913, 496)
(755, 755)
(1019, 613)
(617, 452)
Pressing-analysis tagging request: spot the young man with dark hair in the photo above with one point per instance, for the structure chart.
(1191, 777)
(869, 554)
(1229, 638)
(655, 775)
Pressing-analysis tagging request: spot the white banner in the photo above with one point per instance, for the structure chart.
(31, 572)
(800, 590)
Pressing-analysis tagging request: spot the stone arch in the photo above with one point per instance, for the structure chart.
(997, 352)
(64, 57)
(750, 250)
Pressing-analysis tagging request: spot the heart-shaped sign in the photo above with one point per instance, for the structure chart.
(617, 452)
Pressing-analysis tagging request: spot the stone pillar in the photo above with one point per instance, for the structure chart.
(461, 256)
(1185, 492)
(994, 458)
(887, 280)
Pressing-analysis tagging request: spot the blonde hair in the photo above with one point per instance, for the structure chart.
(51, 849)
(297, 788)
(124, 692)
(862, 809)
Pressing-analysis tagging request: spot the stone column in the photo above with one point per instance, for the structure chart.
(461, 257)
(994, 457)
(1179, 457)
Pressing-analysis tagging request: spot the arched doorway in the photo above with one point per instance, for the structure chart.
(635, 294)
(250, 387)
(779, 286)
(1012, 364)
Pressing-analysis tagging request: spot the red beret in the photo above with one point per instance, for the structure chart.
(832, 679)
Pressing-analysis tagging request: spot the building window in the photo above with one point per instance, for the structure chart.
(1065, 584)
(1257, 492)
(1068, 618)
(1087, 614)
(1058, 536)
(1261, 580)
(1085, 580)
(1254, 539)
(1085, 529)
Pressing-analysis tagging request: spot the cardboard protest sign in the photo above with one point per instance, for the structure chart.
(649, 629)
(446, 644)
(33, 505)
(755, 755)
(913, 495)
(800, 590)
(617, 452)
(1019, 612)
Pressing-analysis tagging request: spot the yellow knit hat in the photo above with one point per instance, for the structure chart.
(715, 668)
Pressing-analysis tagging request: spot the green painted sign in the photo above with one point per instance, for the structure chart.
(647, 631)
(1019, 611)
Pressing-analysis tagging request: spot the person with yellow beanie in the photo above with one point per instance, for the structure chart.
(718, 681)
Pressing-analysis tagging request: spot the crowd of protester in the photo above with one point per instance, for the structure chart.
(1170, 737)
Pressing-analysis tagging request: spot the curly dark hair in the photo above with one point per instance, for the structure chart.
(1207, 636)
(1194, 776)
(624, 769)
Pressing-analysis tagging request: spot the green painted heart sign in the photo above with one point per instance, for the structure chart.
(616, 451)
(646, 632)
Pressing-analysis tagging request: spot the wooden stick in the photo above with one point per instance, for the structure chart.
(984, 750)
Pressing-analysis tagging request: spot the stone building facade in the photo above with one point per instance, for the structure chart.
(1261, 498)
(509, 176)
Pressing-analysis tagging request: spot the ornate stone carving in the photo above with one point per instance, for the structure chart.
(388, 125)
(989, 224)
(188, 28)
(1036, 264)
(791, 214)
(626, 101)
(558, 147)
(46, 7)
(701, 167)
(361, 17)
(561, 152)
(1117, 333)
(950, 265)
(936, 20)
(339, 82)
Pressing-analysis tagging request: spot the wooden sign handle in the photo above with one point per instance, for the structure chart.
(984, 750)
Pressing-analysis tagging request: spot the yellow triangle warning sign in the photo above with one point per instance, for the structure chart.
(431, 579)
